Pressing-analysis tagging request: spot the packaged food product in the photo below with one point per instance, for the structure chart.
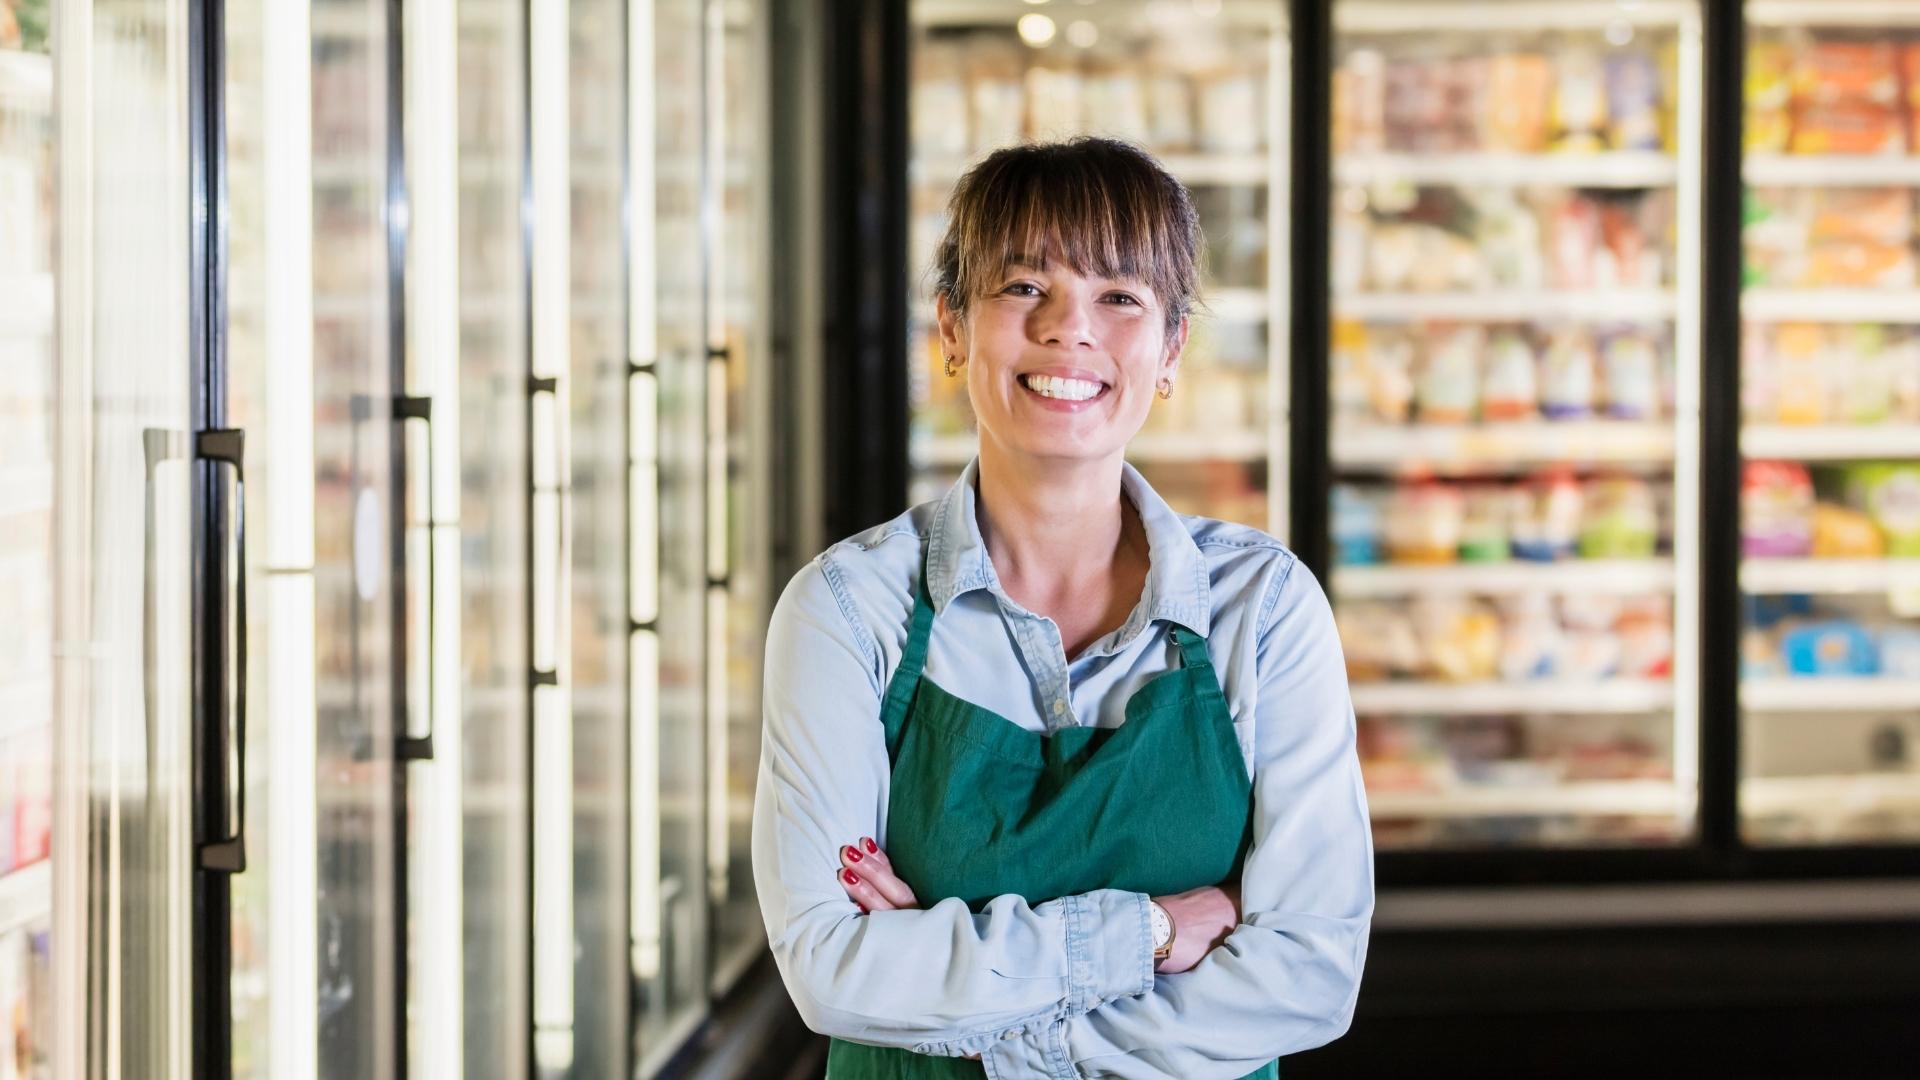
(1645, 629)
(1591, 655)
(1903, 358)
(1356, 526)
(1508, 238)
(1832, 647)
(1352, 231)
(1842, 533)
(1631, 365)
(1378, 642)
(1574, 243)
(1865, 370)
(1828, 72)
(1799, 365)
(1579, 115)
(1859, 266)
(1449, 385)
(1511, 390)
(1423, 523)
(1349, 386)
(1620, 520)
(1390, 376)
(1567, 376)
(1468, 84)
(1889, 492)
(1416, 103)
(1519, 85)
(1849, 127)
(1880, 216)
(1910, 77)
(33, 811)
(1485, 534)
(1633, 101)
(1547, 524)
(1760, 655)
(1055, 105)
(1769, 94)
(1899, 648)
(1461, 639)
(1530, 639)
(1776, 510)
(1759, 378)
(1366, 71)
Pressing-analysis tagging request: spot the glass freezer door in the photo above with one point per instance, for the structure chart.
(1514, 384)
(1830, 432)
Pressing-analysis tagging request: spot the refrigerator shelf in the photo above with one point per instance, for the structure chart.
(1193, 170)
(1832, 170)
(954, 451)
(1416, 16)
(1878, 14)
(1616, 169)
(1510, 305)
(1830, 577)
(1625, 577)
(26, 895)
(26, 80)
(1508, 445)
(1901, 306)
(1831, 442)
(1830, 795)
(28, 311)
(1577, 797)
(1610, 696)
(1830, 694)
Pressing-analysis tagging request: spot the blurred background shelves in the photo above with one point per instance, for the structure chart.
(1589, 797)
(1629, 577)
(1508, 305)
(1828, 576)
(1391, 447)
(1832, 305)
(26, 895)
(1832, 170)
(1611, 169)
(1830, 694)
(1607, 696)
(1831, 442)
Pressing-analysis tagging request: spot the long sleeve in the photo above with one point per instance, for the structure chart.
(1286, 979)
(942, 980)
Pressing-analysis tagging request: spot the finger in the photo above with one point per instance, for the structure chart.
(870, 862)
(862, 892)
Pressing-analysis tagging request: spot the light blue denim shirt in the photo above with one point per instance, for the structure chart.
(1066, 987)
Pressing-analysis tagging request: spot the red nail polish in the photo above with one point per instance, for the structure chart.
(853, 854)
(862, 907)
(852, 878)
(871, 846)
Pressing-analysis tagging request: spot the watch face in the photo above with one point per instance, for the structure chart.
(1162, 926)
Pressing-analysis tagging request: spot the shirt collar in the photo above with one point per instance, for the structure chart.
(1176, 589)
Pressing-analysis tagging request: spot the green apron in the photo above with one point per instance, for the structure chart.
(981, 807)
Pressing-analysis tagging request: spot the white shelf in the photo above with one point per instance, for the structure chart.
(1610, 696)
(1619, 577)
(1615, 169)
(1831, 442)
(1830, 694)
(1397, 446)
(1194, 170)
(1824, 796)
(1161, 447)
(1832, 170)
(26, 79)
(1509, 305)
(1876, 14)
(1831, 305)
(26, 895)
(28, 310)
(1830, 577)
(1416, 16)
(1588, 797)
(1238, 14)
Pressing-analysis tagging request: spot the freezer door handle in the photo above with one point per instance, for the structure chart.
(223, 448)
(407, 745)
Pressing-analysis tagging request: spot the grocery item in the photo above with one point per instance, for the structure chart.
(1389, 376)
(1850, 127)
(1530, 638)
(1910, 77)
(1567, 377)
(1461, 639)
(1449, 385)
(1485, 535)
(1890, 495)
(1620, 520)
(1547, 521)
(1349, 387)
(1776, 510)
(1645, 629)
(1508, 238)
(1843, 533)
(1579, 116)
(1769, 96)
(1423, 523)
(1834, 647)
(1630, 363)
(1831, 72)
(1356, 526)
(1800, 368)
(1574, 241)
(1230, 109)
(1378, 642)
(1511, 389)
(1633, 101)
(1363, 104)
(1519, 85)
(1865, 369)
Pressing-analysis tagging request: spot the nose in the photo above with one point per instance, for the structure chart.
(1064, 320)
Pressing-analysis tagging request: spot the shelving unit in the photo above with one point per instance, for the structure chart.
(1828, 577)
(1610, 696)
(1515, 445)
(1612, 797)
(1835, 442)
(1832, 170)
(1896, 306)
(1509, 305)
(1618, 577)
(1614, 169)
(1830, 694)
(1826, 796)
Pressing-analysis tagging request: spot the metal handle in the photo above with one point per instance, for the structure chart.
(408, 746)
(229, 852)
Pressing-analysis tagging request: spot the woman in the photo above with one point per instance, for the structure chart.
(1054, 778)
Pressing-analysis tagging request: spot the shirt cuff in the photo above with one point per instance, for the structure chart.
(1109, 948)
(1036, 1051)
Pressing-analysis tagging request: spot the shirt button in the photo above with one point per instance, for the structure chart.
(1059, 706)
(1010, 1034)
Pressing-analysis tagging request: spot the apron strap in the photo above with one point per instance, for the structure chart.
(906, 677)
(1193, 656)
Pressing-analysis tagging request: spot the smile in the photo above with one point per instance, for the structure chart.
(1060, 388)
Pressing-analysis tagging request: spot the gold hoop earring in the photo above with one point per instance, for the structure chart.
(1166, 389)
(949, 364)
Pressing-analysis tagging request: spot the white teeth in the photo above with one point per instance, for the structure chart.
(1054, 386)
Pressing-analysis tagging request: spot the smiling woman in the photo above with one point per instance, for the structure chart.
(1058, 782)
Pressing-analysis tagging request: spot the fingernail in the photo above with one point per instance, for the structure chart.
(871, 846)
(861, 906)
(853, 853)
(852, 878)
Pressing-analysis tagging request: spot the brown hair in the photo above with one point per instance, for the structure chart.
(1105, 207)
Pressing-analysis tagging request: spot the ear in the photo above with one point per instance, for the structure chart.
(1176, 344)
(953, 330)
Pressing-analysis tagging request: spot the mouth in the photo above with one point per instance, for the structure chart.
(1063, 389)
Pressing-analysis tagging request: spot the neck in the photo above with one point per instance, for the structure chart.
(1048, 524)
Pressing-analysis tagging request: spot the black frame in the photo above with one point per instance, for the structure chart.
(866, 411)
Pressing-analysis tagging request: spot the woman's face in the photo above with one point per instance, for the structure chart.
(1060, 365)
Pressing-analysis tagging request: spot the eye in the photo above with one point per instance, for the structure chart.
(1123, 299)
(1022, 288)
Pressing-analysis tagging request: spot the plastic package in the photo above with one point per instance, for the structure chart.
(1899, 648)
(1567, 382)
(1631, 365)
(1356, 526)
(1485, 534)
(1511, 390)
(1890, 495)
(1843, 533)
(1620, 521)
(1776, 510)
(1633, 101)
(1424, 522)
(1836, 647)
(1519, 86)
(1530, 639)
(1461, 639)
(1579, 103)
(1449, 385)
(1801, 371)
(1549, 522)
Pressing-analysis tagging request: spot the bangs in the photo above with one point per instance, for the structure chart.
(1102, 208)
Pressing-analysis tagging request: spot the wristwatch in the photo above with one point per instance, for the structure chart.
(1162, 931)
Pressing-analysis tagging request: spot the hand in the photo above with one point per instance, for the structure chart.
(866, 874)
(1202, 919)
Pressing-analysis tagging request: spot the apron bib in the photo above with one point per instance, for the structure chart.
(981, 806)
